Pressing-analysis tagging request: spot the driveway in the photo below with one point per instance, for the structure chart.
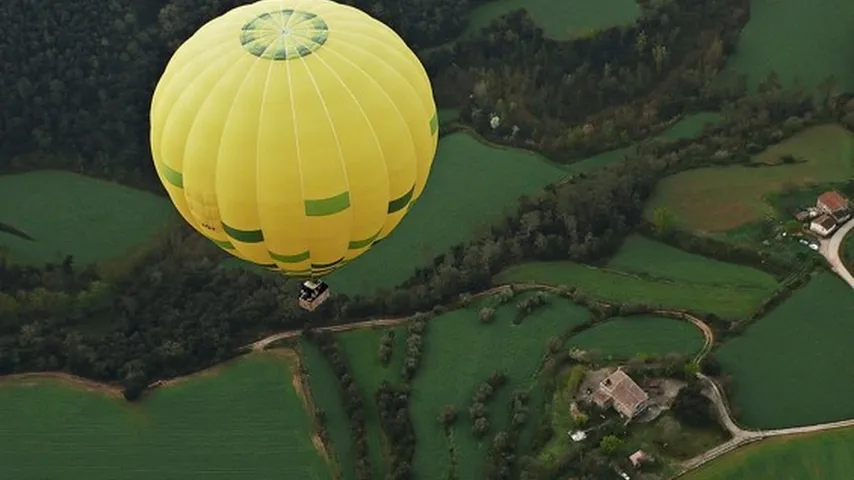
(829, 248)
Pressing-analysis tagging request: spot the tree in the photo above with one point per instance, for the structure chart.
(610, 444)
(486, 315)
(693, 408)
(663, 220)
(710, 365)
(447, 416)
(480, 427)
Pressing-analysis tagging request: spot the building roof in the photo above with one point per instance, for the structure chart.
(833, 201)
(825, 221)
(601, 398)
(638, 457)
(627, 395)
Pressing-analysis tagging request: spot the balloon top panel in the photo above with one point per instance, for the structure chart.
(284, 34)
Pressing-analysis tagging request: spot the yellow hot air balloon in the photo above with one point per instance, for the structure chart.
(294, 134)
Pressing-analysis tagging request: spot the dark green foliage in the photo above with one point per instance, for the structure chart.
(693, 408)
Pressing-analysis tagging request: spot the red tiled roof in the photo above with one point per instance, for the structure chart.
(833, 201)
(627, 395)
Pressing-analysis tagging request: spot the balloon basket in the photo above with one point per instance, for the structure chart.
(312, 294)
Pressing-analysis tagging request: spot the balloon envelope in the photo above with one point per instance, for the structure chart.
(294, 134)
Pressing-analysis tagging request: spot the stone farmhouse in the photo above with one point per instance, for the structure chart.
(834, 210)
(621, 392)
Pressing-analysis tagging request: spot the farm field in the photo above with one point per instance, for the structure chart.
(69, 214)
(327, 396)
(683, 281)
(361, 348)
(460, 354)
(815, 456)
(470, 184)
(723, 198)
(691, 126)
(599, 160)
(787, 367)
(796, 38)
(245, 421)
(644, 256)
(648, 335)
(561, 20)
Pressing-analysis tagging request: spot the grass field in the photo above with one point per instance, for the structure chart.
(69, 214)
(361, 348)
(794, 366)
(644, 271)
(460, 354)
(599, 160)
(797, 38)
(626, 337)
(641, 255)
(691, 126)
(245, 422)
(470, 185)
(723, 198)
(561, 20)
(327, 396)
(815, 456)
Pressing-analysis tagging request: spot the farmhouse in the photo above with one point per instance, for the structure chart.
(823, 225)
(834, 204)
(621, 392)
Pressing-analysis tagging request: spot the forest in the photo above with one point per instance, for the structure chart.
(77, 97)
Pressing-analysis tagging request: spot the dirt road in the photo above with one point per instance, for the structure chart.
(829, 248)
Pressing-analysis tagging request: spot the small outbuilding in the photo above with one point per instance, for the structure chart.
(639, 458)
(824, 225)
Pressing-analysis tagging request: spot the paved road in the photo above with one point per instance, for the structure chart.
(740, 436)
(829, 248)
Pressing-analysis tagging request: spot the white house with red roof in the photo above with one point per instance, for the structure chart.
(835, 204)
(835, 210)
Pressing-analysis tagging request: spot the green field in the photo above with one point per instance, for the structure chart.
(717, 199)
(599, 160)
(626, 337)
(561, 20)
(644, 271)
(361, 348)
(460, 354)
(691, 126)
(797, 38)
(470, 185)
(246, 421)
(794, 366)
(69, 214)
(326, 392)
(641, 255)
(815, 456)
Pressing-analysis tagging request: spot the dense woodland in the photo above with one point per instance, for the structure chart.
(76, 91)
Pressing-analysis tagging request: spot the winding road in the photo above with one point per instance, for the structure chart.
(829, 248)
(740, 436)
